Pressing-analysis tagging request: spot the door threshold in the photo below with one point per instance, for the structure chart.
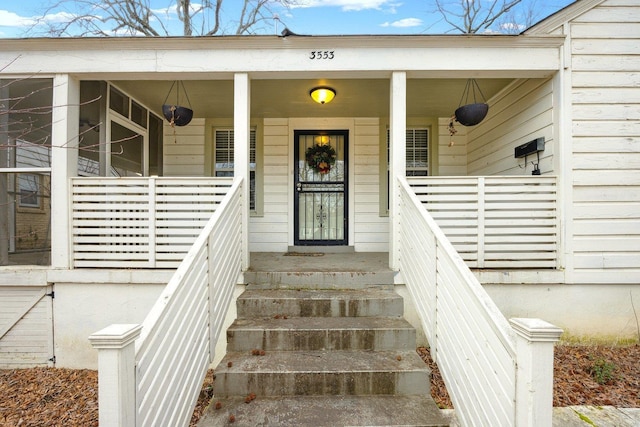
(321, 249)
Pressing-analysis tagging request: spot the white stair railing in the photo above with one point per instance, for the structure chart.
(157, 383)
(496, 375)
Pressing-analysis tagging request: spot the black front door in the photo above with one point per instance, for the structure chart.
(320, 199)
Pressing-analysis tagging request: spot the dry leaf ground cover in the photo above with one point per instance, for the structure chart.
(597, 375)
(65, 397)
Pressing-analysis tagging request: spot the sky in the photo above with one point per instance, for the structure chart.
(309, 17)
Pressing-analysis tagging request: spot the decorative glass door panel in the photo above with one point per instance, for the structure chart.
(320, 188)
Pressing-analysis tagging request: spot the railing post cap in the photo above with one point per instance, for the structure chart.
(115, 336)
(535, 329)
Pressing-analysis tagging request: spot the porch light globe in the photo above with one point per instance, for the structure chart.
(322, 95)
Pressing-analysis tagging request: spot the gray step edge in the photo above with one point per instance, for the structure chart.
(325, 411)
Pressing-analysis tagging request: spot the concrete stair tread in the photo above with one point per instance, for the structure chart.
(330, 361)
(380, 301)
(306, 373)
(323, 294)
(321, 333)
(348, 277)
(320, 323)
(323, 411)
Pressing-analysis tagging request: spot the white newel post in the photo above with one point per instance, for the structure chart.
(241, 123)
(116, 374)
(535, 339)
(397, 161)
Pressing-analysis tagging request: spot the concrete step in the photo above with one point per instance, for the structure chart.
(355, 270)
(321, 333)
(288, 373)
(325, 411)
(368, 302)
(318, 279)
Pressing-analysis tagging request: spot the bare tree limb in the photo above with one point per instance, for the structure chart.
(137, 18)
(473, 16)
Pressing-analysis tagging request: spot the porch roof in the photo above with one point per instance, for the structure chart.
(282, 71)
(275, 57)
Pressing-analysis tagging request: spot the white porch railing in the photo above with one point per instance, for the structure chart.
(496, 221)
(493, 380)
(158, 383)
(140, 222)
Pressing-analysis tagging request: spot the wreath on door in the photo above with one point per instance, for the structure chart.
(320, 158)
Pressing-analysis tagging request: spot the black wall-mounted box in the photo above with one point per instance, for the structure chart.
(530, 147)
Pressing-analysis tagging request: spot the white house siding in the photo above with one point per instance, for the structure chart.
(269, 232)
(452, 150)
(605, 73)
(184, 149)
(520, 113)
(371, 229)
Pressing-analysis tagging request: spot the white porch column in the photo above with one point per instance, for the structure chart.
(5, 206)
(534, 375)
(241, 117)
(397, 161)
(64, 164)
(116, 374)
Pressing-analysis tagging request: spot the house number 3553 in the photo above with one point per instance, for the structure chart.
(321, 54)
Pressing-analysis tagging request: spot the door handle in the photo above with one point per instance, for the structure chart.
(299, 186)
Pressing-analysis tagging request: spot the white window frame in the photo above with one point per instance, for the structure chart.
(128, 123)
(410, 171)
(411, 151)
(228, 170)
(37, 179)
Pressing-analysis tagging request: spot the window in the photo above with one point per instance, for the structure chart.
(118, 102)
(133, 136)
(29, 190)
(417, 154)
(138, 114)
(127, 151)
(223, 158)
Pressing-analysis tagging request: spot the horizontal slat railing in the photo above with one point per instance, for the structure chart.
(496, 221)
(470, 339)
(178, 336)
(140, 222)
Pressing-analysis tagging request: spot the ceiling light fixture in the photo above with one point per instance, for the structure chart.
(322, 94)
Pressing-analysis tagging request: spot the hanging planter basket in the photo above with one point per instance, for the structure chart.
(471, 113)
(176, 114)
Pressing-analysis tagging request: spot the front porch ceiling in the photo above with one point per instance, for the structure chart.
(290, 97)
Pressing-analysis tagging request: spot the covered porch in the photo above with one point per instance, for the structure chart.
(261, 109)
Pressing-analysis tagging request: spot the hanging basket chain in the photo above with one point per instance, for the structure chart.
(186, 95)
(470, 89)
(470, 114)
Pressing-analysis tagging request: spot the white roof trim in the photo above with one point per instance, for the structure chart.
(276, 42)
